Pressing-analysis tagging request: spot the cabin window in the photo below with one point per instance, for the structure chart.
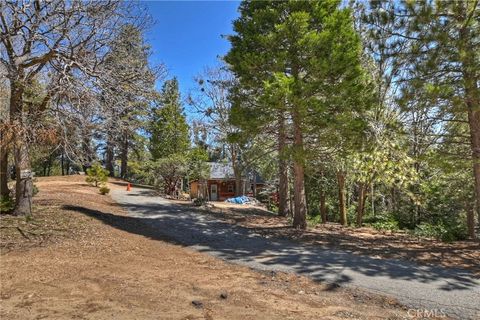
(230, 188)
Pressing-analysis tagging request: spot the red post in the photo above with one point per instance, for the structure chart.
(129, 187)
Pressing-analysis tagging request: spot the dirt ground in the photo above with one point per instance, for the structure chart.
(65, 264)
(363, 241)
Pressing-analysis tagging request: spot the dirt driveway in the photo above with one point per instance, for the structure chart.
(82, 257)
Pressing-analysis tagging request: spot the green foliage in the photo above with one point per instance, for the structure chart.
(436, 100)
(104, 190)
(6, 204)
(96, 175)
(444, 232)
(312, 221)
(170, 170)
(198, 167)
(35, 190)
(391, 225)
(270, 37)
(299, 60)
(136, 172)
(199, 202)
(428, 230)
(386, 223)
(386, 163)
(169, 131)
(271, 205)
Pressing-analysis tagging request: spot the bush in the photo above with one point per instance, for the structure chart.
(6, 204)
(271, 206)
(104, 190)
(199, 201)
(383, 222)
(447, 233)
(96, 174)
(313, 220)
(389, 225)
(35, 190)
(428, 230)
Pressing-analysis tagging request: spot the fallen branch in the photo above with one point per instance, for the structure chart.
(22, 233)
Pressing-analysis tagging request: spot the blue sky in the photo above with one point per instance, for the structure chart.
(187, 35)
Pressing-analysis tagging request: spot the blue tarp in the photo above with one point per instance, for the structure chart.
(239, 200)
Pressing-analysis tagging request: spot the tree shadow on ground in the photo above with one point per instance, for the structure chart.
(173, 223)
(394, 247)
(464, 254)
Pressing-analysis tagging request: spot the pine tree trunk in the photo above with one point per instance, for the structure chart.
(323, 207)
(62, 160)
(109, 158)
(87, 150)
(124, 158)
(291, 199)
(236, 171)
(67, 167)
(471, 221)
(4, 191)
(474, 122)
(283, 209)
(238, 183)
(472, 100)
(342, 207)
(49, 166)
(300, 210)
(362, 197)
(254, 183)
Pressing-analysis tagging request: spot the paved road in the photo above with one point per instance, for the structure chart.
(455, 292)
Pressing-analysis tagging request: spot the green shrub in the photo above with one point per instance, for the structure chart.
(6, 204)
(104, 190)
(351, 215)
(271, 206)
(35, 190)
(312, 221)
(428, 230)
(385, 221)
(389, 225)
(96, 175)
(447, 233)
(199, 202)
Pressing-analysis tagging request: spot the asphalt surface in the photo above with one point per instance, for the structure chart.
(453, 292)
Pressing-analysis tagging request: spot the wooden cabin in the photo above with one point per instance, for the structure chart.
(220, 185)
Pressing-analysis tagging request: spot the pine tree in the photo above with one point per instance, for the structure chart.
(307, 54)
(126, 97)
(169, 131)
(437, 44)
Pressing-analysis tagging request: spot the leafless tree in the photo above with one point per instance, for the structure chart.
(61, 44)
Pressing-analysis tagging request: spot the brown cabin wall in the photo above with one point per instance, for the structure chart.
(222, 189)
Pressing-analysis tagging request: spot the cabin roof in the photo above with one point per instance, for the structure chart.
(219, 170)
(222, 170)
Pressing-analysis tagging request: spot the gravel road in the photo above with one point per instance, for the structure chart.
(451, 291)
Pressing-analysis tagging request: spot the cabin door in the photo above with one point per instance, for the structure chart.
(213, 192)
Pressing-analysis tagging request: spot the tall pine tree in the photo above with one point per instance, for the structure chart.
(169, 131)
(307, 54)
